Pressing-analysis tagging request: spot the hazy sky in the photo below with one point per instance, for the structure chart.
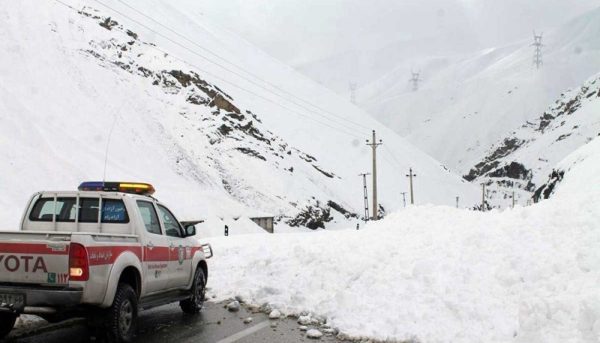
(297, 31)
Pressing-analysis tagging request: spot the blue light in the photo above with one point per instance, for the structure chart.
(91, 186)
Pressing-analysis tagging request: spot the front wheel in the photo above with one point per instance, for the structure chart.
(7, 322)
(123, 315)
(194, 304)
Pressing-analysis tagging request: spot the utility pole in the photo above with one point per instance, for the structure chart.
(374, 144)
(404, 199)
(456, 202)
(483, 197)
(364, 176)
(415, 80)
(513, 199)
(412, 194)
(352, 87)
(537, 55)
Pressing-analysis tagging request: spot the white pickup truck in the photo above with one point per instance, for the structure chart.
(103, 252)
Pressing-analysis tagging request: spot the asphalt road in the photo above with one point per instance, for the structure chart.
(169, 324)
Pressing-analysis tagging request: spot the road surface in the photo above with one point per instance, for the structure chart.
(168, 324)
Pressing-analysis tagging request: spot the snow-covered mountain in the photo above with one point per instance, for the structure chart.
(467, 103)
(220, 128)
(524, 158)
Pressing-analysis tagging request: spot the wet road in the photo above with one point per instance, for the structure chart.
(168, 324)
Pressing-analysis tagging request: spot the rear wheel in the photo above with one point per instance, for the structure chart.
(194, 304)
(123, 315)
(7, 322)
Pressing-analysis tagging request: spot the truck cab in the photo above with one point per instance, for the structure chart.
(108, 249)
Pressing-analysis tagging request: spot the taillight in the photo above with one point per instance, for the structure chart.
(79, 267)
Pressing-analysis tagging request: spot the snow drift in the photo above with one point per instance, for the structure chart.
(438, 274)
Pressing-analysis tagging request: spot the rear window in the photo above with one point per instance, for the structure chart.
(113, 210)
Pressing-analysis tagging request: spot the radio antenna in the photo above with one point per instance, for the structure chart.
(107, 146)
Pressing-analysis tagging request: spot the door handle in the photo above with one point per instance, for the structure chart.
(150, 246)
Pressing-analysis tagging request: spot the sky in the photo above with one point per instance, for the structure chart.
(303, 31)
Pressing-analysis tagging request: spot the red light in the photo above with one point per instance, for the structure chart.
(79, 268)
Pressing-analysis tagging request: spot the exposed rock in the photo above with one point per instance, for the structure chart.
(313, 217)
(514, 170)
(329, 175)
(491, 161)
(224, 129)
(108, 23)
(197, 99)
(546, 189)
(132, 34)
(251, 152)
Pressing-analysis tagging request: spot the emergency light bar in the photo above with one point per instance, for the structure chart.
(123, 187)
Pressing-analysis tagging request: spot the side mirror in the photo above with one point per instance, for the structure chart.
(190, 230)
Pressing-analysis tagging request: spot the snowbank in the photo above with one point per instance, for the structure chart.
(582, 168)
(436, 273)
(215, 227)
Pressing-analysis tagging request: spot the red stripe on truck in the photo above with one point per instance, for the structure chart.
(156, 254)
(30, 248)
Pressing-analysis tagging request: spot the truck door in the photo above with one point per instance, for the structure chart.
(180, 259)
(156, 250)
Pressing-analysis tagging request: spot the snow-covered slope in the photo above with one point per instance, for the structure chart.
(523, 159)
(438, 274)
(466, 103)
(182, 114)
(579, 170)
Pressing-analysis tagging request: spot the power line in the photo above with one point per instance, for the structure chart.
(238, 67)
(225, 68)
(398, 164)
(353, 134)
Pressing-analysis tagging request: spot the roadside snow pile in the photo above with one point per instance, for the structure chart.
(215, 227)
(437, 274)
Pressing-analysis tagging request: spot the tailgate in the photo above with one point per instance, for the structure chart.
(34, 258)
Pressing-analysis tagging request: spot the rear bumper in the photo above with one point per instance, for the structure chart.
(40, 299)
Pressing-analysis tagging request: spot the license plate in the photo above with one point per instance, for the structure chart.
(17, 300)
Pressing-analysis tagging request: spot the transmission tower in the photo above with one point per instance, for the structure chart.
(415, 80)
(537, 55)
(352, 88)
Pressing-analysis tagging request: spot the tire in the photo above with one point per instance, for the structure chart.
(122, 315)
(7, 322)
(194, 304)
(54, 318)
